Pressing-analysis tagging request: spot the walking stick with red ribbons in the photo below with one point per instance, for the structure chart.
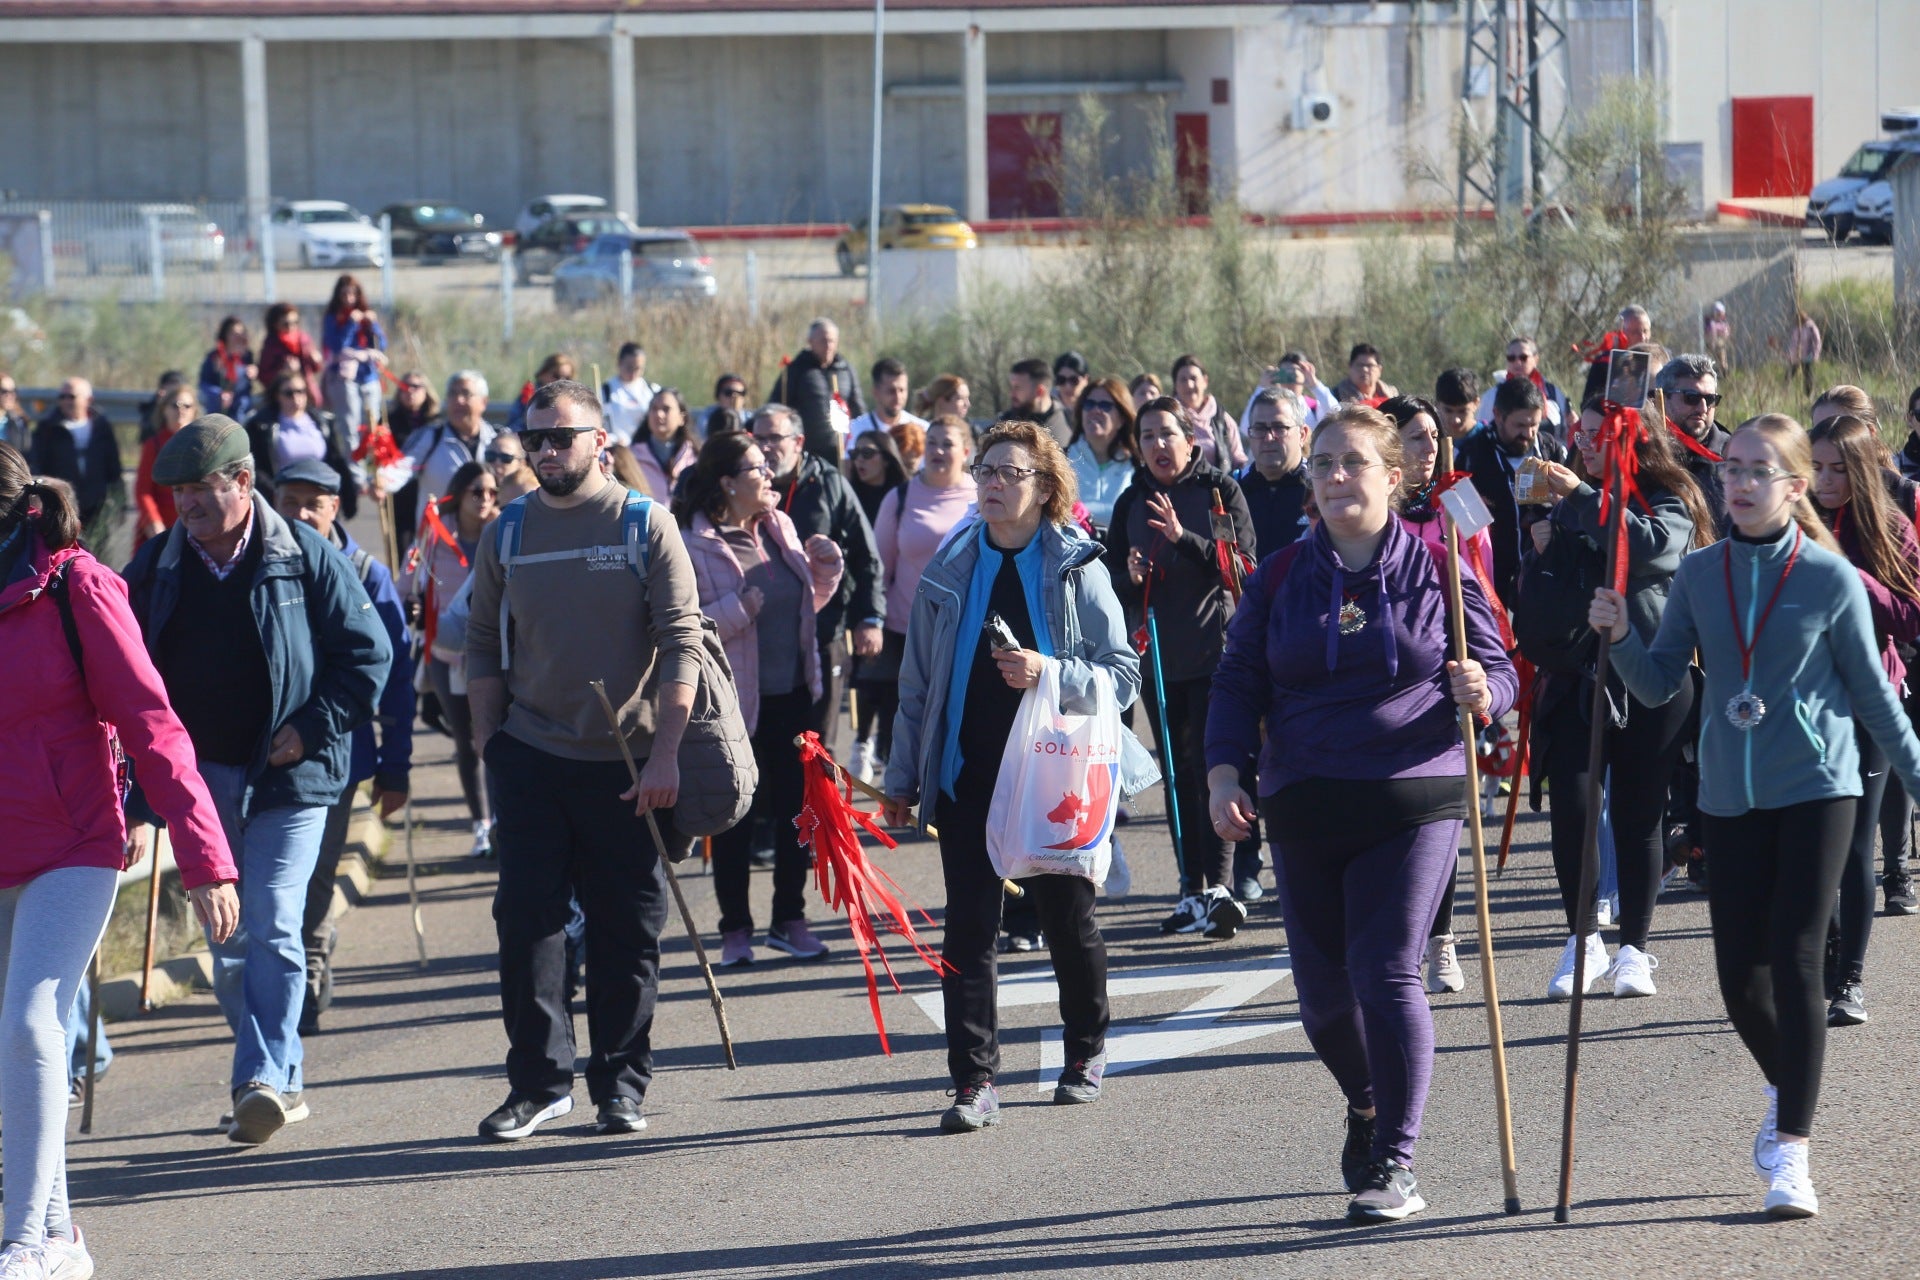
(1234, 563)
(1620, 432)
(1457, 622)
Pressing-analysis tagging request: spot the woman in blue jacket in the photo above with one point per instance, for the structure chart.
(1784, 631)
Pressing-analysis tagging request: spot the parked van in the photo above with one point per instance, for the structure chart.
(1835, 205)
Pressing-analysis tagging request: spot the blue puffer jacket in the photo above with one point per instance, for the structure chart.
(1083, 619)
(327, 650)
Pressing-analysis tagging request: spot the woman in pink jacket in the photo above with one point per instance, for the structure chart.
(667, 446)
(77, 674)
(762, 588)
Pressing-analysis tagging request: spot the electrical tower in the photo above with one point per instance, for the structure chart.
(1517, 55)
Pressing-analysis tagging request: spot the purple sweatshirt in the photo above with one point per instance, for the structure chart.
(1371, 704)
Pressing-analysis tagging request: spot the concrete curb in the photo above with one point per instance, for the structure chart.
(176, 978)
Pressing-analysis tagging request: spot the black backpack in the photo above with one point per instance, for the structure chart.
(1550, 616)
(58, 588)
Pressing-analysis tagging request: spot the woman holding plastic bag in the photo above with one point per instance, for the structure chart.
(1016, 601)
(1340, 647)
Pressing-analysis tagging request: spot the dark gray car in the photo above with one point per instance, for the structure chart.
(666, 264)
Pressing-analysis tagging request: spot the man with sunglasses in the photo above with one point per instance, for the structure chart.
(1523, 361)
(15, 427)
(1692, 387)
(571, 823)
(76, 443)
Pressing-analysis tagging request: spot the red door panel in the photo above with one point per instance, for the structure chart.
(1772, 146)
(1022, 150)
(1190, 160)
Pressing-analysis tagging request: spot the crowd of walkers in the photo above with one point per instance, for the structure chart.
(1270, 585)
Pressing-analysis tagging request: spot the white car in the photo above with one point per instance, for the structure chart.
(540, 208)
(187, 236)
(324, 233)
(1873, 213)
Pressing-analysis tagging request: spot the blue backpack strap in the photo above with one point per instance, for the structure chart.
(511, 518)
(633, 532)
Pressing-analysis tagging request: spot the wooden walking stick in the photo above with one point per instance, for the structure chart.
(673, 881)
(153, 925)
(1613, 444)
(413, 886)
(1457, 623)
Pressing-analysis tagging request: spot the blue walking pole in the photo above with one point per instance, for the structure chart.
(1166, 747)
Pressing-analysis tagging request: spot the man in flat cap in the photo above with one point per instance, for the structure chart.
(308, 492)
(272, 654)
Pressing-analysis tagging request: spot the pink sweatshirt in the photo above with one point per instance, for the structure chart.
(60, 806)
(907, 534)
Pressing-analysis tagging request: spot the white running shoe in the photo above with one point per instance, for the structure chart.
(1443, 965)
(1561, 988)
(1791, 1193)
(1632, 972)
(1606, 911)
(1119, 874)
(482, 839)
(67, 1259)
(22, 1262)
(1766, 1143)
(1189, 915)
(860, 760)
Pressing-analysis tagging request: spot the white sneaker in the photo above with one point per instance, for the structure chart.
(67, 1259)
(1189, 915)
(1119, 874)
(1443, 965)
(1561, 987)
(860, 760)
(22, 1262)
(1606, 911)
(482, 839)
(1766, 1143)
(1791, 1193)
(1632, 972)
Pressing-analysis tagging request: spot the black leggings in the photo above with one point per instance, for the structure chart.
(1896, 810)
(1641, 757)
(1853, 913)
(466, 760)
(1775, 872)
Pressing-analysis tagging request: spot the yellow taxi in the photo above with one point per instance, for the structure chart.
(906, 226)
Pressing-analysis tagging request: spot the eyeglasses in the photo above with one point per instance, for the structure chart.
(1273, 430)
(413, 386)
(733, 393)
(762, 470)
(1697, 398)
(1322, 467)
(1060, 378)
(772, 441)
(483, 492)
(499, 459)
(866, 454)
(1518, 357)
(559, 438)
(66, 395)
(1098, 406)
(1733, 473)
(1006, 473)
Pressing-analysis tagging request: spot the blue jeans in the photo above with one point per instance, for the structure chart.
(78, 1025)
(260, 973)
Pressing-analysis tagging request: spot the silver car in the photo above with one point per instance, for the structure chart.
(187, 235)
(666, 264)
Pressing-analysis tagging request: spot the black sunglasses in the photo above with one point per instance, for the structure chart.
(1708, 398)
(493, 455)
(866, 452)
(561, 438)
(730, 392)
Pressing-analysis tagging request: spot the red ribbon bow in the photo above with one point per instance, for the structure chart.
(846, 879)
(379, 442)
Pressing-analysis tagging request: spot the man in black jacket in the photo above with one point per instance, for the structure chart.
(1030, 388)
(819, 386)
(76, 443)
(1275, 485)
(1492, 455)
(1692, 387)
(818, 499)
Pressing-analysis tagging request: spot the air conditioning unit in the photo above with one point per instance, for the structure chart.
(1315, 111)
(1901, 121)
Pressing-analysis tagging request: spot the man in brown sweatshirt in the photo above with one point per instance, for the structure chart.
(570, 823)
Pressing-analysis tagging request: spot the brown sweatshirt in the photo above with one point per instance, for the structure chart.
(583, 619)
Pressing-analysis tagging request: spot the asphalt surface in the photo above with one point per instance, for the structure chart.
(821, 1157)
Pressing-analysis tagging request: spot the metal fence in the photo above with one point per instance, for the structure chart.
(187, 252)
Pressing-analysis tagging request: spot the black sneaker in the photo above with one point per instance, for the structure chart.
(1358, 1153)
(1849, 1007)
(619, 1115)
(975, 1106)
(1189, 915)
(517, 1117)
(1388, 1193)
(1900, 896)
(1224, 915)
(1080, 1082)
(258, 1114)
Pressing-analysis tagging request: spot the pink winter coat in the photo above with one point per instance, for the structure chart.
(660, 479)
(717, 572)
(60, 806)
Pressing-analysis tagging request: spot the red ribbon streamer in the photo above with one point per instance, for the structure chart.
(1621, 430)
(1685, 437)
(379, 442)
(849, 882)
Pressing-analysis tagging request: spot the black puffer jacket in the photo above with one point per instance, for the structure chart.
(808, 389)
(1487, 461)
(821, 500)
(1190, 605)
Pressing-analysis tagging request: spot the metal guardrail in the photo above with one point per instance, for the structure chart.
(123, 407)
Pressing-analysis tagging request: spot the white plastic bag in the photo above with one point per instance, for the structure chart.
(1053, 805)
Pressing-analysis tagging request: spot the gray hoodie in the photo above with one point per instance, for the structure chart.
(1816, 666)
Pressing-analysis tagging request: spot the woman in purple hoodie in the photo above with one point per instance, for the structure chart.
(1340, 647)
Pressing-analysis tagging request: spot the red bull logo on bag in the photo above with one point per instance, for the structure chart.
(1089, 817)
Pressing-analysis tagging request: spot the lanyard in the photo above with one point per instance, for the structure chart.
(1749, 644)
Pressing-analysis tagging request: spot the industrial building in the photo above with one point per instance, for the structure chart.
(732, 112)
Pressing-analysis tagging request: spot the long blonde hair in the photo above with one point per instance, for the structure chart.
(1789, 440)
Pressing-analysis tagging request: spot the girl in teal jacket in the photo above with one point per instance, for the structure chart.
(1782, 624)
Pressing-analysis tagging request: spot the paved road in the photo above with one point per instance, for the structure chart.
(820, 1157)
